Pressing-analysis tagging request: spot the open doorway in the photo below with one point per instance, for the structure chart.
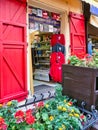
(43, 24)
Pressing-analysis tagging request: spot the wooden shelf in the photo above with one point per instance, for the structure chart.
(42, 56)
(44, 33)
(42, 49)
(42, 64)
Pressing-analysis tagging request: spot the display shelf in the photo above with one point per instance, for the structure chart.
(41, 49)
(42, 74)
(43, 42)
(42, 64)
(41, 56)
(44, 33)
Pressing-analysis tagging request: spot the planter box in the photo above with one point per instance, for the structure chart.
(81, 83)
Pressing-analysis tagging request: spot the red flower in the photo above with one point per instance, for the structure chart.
(19, 114)
(2, 121)
(68, 61)
(30, 119)
(29, 112)
(41, 104)
(3, 126)
(82, 116)
(70, 103)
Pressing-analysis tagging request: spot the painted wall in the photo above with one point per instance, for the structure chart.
(73, 5)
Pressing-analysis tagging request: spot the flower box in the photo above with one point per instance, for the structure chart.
(81, 83)
(59, 113)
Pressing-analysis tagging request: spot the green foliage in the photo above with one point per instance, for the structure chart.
(87, 61)
(59, 113)
(74, 60)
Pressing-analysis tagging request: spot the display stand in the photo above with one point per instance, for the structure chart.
(41, 57)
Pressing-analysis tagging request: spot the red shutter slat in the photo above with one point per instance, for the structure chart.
(77, 33)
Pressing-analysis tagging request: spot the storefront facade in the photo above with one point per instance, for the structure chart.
(14, 41)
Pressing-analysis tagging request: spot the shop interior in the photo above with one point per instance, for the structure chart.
(91, 22)
(42, 26)
(93, 35)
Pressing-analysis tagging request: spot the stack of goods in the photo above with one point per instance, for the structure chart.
(57, 57)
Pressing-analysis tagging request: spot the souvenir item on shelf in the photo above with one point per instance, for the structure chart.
(39, 12)
(41, 28)
(46, 27)
(34, 11)
(55, 16)
(36, 25)
(45, 14)
(50, 28)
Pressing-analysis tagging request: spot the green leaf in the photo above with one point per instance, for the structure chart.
(48, 122)
(44, 116)
(38, 115)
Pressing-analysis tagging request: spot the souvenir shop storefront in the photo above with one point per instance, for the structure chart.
(17, 23)
(49, 38)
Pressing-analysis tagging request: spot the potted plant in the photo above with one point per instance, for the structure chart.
(80, 79)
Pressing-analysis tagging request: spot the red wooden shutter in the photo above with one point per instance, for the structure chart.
(77, 33)
(13, 62)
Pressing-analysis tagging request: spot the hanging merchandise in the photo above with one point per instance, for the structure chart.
(53, 57)
(46, 27)
(57, 57)
(41, 27)
(60, 58)
(56, 72)
(44, 17)
(32, 26)
(56, 16)
(36, 26)
(45, 14)
(39, 12)
(34, 11)
(29, 11)
(51, 28)
(57, 38)
(58, 48)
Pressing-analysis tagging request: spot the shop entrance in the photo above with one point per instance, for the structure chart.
(43, 25)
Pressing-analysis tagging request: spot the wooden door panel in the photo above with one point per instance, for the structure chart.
(13, 33)
(77, 33)
(13, 61)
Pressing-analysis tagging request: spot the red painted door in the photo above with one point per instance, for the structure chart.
(13, 72)
(77, 33)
